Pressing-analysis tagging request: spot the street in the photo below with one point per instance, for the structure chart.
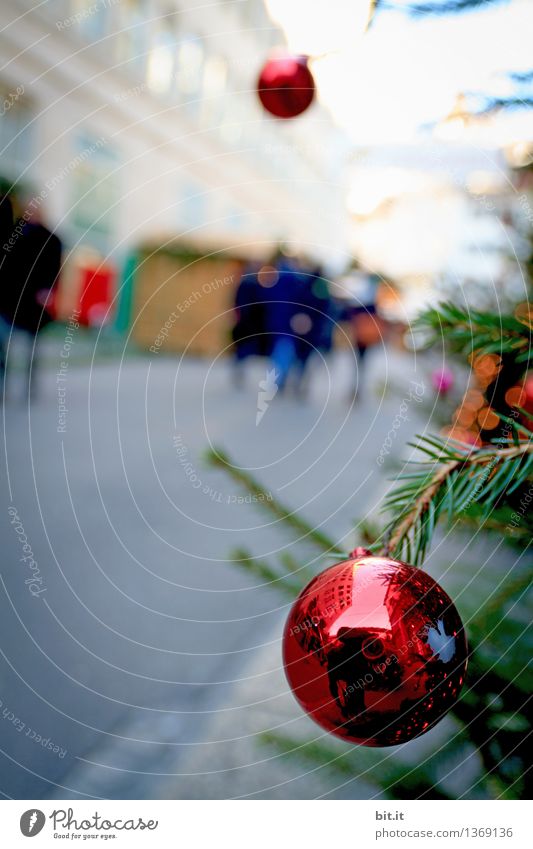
(126, 628)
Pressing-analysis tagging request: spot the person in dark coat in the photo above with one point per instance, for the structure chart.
(6, 232)
(31, 264)
(283, 291)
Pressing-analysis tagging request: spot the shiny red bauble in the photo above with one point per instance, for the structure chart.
(286, 86)
(374, 650)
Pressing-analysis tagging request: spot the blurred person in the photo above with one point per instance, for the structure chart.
(283, 289)
(31, 261)
(248, 333)
(313, 323)
(365, 324)
(6, 232)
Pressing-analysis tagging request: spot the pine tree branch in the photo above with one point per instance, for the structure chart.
(521, 76)
(265, 573)
(440, 7)
(398, 781)
(421, 506)
(452, 479)
(217, 458)
(515, 535)
(470, 331)
(295, 568)
(495, 104)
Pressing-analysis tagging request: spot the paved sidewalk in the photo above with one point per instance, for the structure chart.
(150, 651)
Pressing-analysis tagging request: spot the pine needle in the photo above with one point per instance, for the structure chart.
(455, 477)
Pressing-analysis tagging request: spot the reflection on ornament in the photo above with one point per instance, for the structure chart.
(374, 650)
(286, 87)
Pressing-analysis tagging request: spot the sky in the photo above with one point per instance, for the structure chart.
(391, 86)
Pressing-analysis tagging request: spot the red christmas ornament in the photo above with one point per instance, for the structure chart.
(286, 86)
(374, 650)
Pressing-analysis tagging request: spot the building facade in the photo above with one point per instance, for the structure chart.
(134, 121)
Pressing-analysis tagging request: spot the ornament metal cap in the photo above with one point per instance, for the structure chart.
(359, 551)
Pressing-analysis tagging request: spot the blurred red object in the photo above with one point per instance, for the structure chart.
(527, 401)
(86, 289)
(442, 380)
(96, 292)
(374, 650)
(286, 87)
(367, 329)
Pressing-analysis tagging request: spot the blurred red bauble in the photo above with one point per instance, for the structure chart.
(374, 650)
(286, 86)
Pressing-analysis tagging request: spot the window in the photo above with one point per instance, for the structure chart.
(161, 58)
(189, 65)
(94, 191)
(16, 136)
(214, 89)
(133, 40)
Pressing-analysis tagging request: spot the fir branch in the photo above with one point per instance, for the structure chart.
(438, 8)
(521, 76)
(495, 104)
(217, 458)
(265, 572)
(454, 477)
(515, 588)
(471, 331)
(397, 781)
(294, 567)
(500, 523)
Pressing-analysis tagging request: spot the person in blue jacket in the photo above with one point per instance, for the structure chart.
(283, 291)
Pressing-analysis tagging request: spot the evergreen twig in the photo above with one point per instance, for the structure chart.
(438, 8)
(454, 477)
(398, 781)
(265, 572)
(218, 458)
(472, 331)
